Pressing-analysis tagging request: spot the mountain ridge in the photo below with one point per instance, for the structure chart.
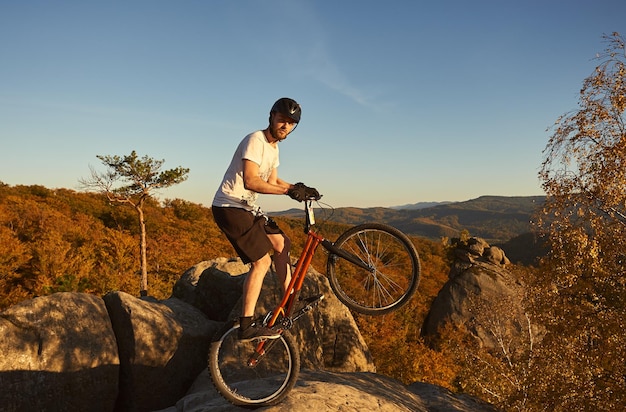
(420, 205)
(497, 219)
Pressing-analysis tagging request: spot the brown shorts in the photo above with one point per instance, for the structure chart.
(246, 232)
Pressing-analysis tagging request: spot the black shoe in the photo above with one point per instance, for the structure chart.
(257, 333)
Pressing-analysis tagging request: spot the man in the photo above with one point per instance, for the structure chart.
(253, 170)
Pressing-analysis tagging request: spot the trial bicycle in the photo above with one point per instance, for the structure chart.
(373, 269)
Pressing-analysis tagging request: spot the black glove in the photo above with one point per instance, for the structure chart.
(312, 193)
(301, 192)
(298, 192)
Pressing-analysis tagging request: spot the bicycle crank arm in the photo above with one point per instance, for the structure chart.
(311, 302)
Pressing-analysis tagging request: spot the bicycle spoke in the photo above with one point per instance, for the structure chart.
(272, 375)
(395, 269)
(385, 288)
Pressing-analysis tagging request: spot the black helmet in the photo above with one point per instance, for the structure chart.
(288, 107)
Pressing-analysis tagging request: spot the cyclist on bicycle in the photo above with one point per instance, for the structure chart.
(253, 170)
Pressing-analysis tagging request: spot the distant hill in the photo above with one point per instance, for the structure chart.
(420, 205)
(497, 219)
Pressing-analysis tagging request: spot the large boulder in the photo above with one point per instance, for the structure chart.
(213, 286)
(162, 348)
(328, 336)
(479, 290)
(58, 353)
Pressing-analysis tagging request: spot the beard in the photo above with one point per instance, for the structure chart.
(278, 134)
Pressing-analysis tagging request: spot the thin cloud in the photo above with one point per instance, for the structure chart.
(313, 59)
(323, 69)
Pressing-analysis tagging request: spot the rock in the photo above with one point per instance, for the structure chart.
(213, 286)
(328, 335)
(185, 287)
(58, 353)
(476, 246)
(77, 352)
(441, 399)
(478, 282)
(163, 347)
(339, 391)
(496, 255)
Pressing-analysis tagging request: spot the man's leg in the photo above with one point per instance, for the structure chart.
(251, 290)
(253, 284)
(282, 264)
(254, 281)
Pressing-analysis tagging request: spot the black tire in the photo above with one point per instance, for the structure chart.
(265, 384)
(396, 265)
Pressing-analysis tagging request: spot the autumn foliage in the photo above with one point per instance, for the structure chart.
(584, 217)
(61, 240)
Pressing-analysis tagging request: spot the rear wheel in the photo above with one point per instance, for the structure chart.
(254, 373)
(394, 269)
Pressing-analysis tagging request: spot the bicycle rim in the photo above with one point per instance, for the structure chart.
(267, 383)
(395, 275)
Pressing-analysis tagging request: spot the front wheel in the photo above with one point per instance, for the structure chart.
(253, 373)
(394, 270)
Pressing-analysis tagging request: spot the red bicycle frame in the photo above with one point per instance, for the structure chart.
(313, 240)
(286, 306)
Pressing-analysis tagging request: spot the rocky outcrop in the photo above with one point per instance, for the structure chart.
(58, 353)
(162, 348)
(479, 285)
(340, 391)
(78, 352)
(328, 336)
(214, 287)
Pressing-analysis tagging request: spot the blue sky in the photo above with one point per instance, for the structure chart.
(403, 101)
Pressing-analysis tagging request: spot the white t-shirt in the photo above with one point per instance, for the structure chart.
(232, 193)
